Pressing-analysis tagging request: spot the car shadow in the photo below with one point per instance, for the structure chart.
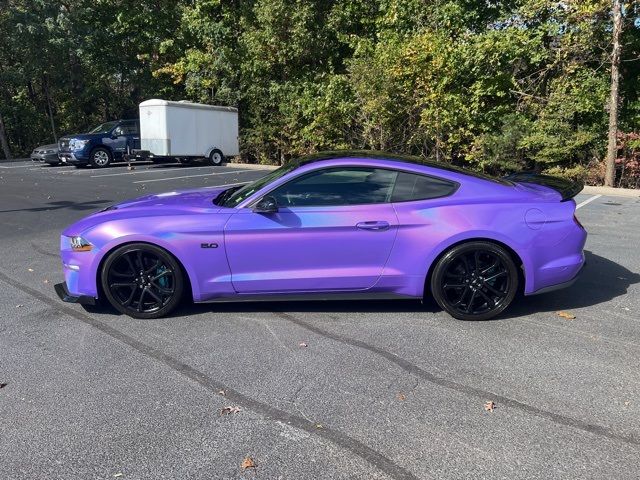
(600, 281)
(63, 204)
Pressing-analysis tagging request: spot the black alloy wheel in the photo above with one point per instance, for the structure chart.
(142, 281)
(475, 281)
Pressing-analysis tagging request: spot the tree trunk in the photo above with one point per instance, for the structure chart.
(612, 150)
(45, 84)
(3, 140)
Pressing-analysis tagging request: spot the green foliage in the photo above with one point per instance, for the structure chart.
(496, 86)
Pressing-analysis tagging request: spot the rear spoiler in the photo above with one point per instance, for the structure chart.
(566, 188)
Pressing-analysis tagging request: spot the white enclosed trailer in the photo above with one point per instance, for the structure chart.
(187, 131)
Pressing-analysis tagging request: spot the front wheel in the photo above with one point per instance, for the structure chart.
(100, 157)
(216, 157)
(475, 281)
(142, 281)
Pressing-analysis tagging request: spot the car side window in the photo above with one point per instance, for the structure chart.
(128, 128)
(337, 186)
(411, 186)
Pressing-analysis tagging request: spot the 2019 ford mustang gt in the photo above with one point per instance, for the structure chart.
(335, 225)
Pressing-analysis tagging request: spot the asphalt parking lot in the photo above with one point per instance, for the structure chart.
(382, 390)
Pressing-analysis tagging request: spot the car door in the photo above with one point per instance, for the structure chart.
(124, 138)
(333, 231)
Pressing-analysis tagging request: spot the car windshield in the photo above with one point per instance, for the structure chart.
(240, 194)
(104, 128)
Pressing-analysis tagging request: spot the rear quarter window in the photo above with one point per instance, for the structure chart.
(411, 186)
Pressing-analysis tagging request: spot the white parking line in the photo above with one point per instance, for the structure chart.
(228, 185)
(147, 170)
(191, 176)
(18, 166)
(588, 200)
(49, 169)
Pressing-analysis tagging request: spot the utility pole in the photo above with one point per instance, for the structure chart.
(614, 99)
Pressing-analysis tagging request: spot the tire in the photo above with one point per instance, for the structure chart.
(153, 294)
(216, 158)
(475, 281)
(100, 157)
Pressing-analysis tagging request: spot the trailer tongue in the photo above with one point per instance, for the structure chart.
(566, 188)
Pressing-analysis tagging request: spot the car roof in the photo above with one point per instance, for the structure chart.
(393, 157)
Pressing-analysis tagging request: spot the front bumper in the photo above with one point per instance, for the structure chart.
(48, 157)
(72, 158)
(63, 292)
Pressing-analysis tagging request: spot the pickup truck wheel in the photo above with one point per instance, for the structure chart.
(216, 157)
(100, 157)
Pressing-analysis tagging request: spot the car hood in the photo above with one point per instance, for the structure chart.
(83, 136)
(52, 146)
(182, 202)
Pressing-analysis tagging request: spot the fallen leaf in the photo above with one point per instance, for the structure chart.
(567, 315)
(402, 397)
(626, 404)
(222, 392)
(489, 406)
(319, 426)
(302, 344)
(230, 410)
(117, 475)
(45, 281)
(19, 305)
(248, 463)
(31, 269)
(2, 385)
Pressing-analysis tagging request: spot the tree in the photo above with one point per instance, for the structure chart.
(3, 140)
(614, 99)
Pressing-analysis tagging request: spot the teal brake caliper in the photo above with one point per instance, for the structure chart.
(162, 281)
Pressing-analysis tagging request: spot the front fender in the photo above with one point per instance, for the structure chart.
(108, 247)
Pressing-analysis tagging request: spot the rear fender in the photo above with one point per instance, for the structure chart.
(484, 235)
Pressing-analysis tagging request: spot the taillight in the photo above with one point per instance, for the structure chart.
(575, 219)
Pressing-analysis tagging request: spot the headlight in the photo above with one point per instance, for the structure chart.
(78, 144)
(79, 244)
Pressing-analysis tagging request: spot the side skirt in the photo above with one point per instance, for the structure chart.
(319, 296)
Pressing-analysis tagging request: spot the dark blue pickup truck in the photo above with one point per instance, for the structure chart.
(104, 144)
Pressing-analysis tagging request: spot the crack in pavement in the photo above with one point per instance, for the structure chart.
(373, 457)
(462, 388)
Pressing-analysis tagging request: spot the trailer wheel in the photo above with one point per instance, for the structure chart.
(216, 157)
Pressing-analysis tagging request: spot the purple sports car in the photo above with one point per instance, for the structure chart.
(332, 226)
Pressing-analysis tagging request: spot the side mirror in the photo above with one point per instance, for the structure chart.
(267, 204)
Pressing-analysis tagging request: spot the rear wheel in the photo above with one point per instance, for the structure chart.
(100, 157)
(216, 157)
(475, 281)
(142, 281)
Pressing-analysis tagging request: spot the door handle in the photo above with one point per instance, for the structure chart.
(376, 225)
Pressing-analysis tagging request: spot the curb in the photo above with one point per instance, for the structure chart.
(610, 191)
